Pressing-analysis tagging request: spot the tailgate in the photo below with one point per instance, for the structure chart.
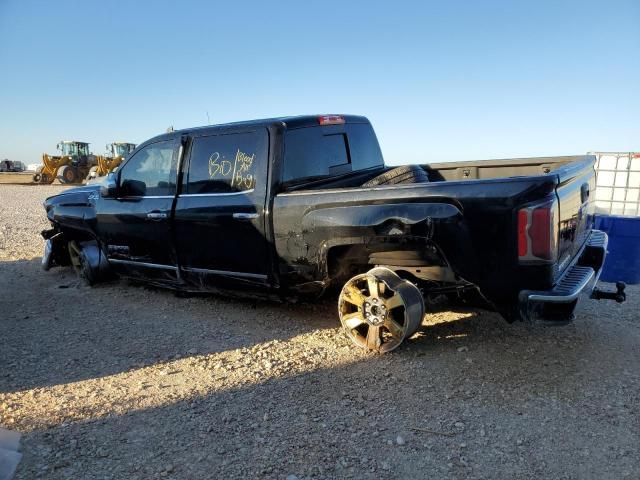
(575, 191)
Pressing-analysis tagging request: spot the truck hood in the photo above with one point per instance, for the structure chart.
(76, 202)
(73, 195)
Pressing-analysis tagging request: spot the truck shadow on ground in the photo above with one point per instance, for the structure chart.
(335, 420)
(180, 388)
(59, 331)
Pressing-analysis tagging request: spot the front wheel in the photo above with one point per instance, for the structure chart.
(93, 173)
(81, 263)
(379, 310)
(67, 174)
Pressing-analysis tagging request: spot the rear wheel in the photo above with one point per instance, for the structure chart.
(379, 310)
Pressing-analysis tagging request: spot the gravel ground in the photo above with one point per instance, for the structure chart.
(122, 381)
(22, 219)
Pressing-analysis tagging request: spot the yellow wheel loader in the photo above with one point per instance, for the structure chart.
(71, 166)
(116, 153)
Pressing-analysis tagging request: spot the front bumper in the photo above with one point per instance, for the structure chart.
(557, 304)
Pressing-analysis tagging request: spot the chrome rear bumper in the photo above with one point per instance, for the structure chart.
(581, 276)
(572, 283)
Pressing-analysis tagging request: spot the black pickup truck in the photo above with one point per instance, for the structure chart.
(291, 207)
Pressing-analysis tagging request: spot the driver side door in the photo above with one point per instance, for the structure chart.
(134, 225)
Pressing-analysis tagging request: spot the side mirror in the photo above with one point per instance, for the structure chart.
(109, 187)
(134, 188)
(57, 146)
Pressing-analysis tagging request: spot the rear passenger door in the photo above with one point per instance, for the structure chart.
(220, 214)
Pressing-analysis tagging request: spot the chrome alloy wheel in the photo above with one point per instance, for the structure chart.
(379, 310)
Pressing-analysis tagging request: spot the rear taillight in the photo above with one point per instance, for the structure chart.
(538, 233)
(523, 239)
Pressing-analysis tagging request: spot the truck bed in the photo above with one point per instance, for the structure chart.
(501, 168)
(481, 240)
(456, 171)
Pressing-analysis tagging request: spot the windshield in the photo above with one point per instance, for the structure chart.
(69, 149)
(123, 149)
(73, 149)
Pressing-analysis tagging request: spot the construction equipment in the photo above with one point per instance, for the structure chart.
(7, 165)
(72, 166)
(116, 153)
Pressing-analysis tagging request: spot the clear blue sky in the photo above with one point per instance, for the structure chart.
(443, 80)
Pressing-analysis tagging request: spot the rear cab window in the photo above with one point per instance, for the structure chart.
(227, 162)
(317, 152)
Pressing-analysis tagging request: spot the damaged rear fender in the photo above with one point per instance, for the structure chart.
(375, 215)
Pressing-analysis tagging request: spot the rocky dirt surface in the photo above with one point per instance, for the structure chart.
(22, 219)
(122, 381)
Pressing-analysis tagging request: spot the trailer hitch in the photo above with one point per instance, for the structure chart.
(619, 295)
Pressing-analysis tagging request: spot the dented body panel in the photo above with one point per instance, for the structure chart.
(471, 223)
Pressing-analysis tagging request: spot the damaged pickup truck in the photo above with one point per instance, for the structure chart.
(290, 207)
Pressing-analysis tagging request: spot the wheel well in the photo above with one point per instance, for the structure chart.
(77, 235)
(345, 261)
(62, 236)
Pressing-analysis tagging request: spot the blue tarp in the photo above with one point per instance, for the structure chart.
(623, 260)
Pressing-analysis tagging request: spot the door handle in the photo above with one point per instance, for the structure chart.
(156, 216)
(245, 216)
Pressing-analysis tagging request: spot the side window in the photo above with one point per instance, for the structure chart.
(310, 152)
(226, 163)
(365, 151)
(315, 152)
(151, 171)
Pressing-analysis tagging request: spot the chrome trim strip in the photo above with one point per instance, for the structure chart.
(225, 272)
(143, 264)
(245, 216)
(156, 215)
(146, 196)
(67, 192)
(214, 194)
